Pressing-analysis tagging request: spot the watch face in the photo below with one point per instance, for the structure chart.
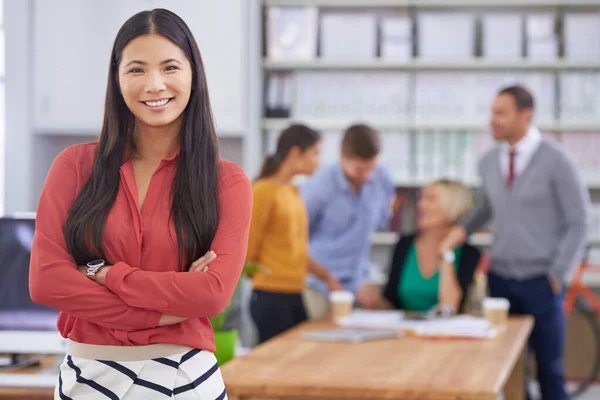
(95, 263)
(449, 256)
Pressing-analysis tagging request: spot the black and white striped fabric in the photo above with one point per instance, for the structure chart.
(191, 375)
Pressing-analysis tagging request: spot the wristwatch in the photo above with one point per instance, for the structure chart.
(448, 256)
(93, 267)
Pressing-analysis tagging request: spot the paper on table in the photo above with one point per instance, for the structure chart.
(381, 319)
(351, 335)
(458, 326)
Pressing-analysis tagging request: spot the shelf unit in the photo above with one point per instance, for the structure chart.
(415, 65)
(573, 4)
(433, 65)
(280, 123)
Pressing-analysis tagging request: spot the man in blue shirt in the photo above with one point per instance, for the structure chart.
(346, 202)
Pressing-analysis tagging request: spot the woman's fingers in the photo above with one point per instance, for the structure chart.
(201, 264)
(199, 269)
(208, 257)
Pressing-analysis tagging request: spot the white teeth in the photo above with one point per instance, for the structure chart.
(157, 103)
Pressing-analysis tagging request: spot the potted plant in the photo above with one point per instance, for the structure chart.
(226, 340)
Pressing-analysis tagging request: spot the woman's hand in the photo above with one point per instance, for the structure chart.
(369, 296)
(333, 284)
(169, 320)
(100, 277)
(201, 264)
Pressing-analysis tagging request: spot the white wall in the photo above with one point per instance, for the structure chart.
(18, 137)
(30, 146)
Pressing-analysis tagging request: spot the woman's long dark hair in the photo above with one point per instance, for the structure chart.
(195, 205)
(296, 135)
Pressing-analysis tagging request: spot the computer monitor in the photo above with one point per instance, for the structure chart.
(25, 327)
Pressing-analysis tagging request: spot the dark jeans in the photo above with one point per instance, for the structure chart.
(274, 313)
(547, 341)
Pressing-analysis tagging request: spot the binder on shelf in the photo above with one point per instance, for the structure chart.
(581, 34)
(446, 36)
(579, 102)
(373, 97)
(348, 36)
(502, 36)
(541, 40)
(292, 33)
(278, 95)
(396, 38)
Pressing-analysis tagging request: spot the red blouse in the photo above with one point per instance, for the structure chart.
(145, 282)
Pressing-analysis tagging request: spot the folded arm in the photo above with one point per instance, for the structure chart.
(191, 295)
(54, 279)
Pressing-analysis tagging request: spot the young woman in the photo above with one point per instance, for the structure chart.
(136, 211)
(418, 279)
(279, 235)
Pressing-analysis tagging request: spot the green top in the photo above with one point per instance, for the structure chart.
(414, 291)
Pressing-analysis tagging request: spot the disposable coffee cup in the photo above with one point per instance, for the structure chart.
(341, 303)
(496, 310)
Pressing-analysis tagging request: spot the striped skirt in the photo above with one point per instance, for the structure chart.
(190, 375)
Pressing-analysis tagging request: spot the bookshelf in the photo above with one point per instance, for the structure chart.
(281, 123)
(437, 65)
(548, 73)
(576, 4)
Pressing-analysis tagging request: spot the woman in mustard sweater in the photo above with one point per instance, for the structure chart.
(279, 235)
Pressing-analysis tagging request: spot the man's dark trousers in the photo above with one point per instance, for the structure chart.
(535, 297)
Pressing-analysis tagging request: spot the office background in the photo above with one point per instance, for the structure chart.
(422, 72)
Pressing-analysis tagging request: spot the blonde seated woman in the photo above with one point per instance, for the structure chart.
(420, 279)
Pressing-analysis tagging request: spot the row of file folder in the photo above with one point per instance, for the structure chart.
(302, 32)
(389, 97)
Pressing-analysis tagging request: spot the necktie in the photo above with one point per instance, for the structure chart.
(511, 168)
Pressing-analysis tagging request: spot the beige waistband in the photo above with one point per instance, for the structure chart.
(123, 353)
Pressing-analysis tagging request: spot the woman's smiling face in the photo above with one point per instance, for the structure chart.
(155, 78)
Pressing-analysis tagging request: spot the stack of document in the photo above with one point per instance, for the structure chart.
(350, 335)
(460, 326)
(378, 319)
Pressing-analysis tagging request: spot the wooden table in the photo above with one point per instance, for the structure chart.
(31, 393)
(289, 367)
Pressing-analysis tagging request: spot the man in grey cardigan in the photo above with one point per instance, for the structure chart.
(538, 207)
